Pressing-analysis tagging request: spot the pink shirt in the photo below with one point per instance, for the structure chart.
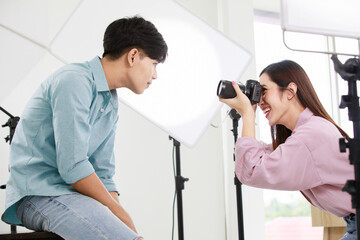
(309, 161)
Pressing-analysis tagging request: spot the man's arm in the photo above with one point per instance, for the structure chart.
(92, 186)
(115, 196)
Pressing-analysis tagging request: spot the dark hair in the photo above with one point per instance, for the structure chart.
(126, 33)
(283, 73)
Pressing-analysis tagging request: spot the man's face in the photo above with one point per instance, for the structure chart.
(143, 73)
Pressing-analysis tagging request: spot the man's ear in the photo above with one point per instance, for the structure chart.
(131, 56)
(292, 90)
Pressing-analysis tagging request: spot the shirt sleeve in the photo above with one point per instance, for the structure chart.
(71, 96)
(288, 167)
(103, 160)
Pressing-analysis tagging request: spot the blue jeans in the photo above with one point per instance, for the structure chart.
(351, 233)
(72, 216)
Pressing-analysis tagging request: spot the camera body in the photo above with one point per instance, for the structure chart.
(252, 89)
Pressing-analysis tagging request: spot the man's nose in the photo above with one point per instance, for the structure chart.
(154, 76)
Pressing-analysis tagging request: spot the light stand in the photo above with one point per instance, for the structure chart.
(235, 116)
(350, 72)
(179, 184)
(11, 123)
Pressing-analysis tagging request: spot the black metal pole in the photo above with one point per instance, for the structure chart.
(6, 112)
(179, 182)
(239, 209)
(235, 118)
(351, 101)
(355, 148)
(353, 186)
(350, 72)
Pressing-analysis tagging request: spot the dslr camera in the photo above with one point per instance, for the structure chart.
(252, 89)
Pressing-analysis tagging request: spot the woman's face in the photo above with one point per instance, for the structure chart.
(273, 101)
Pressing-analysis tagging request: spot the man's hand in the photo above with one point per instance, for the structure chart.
(92, 186)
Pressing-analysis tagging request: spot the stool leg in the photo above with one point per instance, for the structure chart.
(13, 229)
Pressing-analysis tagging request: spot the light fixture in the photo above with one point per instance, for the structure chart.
(335, 18)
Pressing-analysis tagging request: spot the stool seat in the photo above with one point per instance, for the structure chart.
(31, 235)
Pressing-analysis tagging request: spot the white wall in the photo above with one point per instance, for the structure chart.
(267, 5)
(144, 152)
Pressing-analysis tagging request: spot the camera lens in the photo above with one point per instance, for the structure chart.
(220, 88)
(225, 89)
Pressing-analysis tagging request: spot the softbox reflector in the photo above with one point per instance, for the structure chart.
(339, 18)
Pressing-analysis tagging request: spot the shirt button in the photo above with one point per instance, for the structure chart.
(102, 110)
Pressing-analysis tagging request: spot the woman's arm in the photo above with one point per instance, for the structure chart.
(248, 127)
(91, 186)
(289, 167)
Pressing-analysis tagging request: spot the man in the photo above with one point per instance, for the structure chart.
(62, 159)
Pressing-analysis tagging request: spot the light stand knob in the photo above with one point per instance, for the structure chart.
(343, 145)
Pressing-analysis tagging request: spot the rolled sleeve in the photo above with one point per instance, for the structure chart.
(71, 97)
(80, 170)
(110, 185)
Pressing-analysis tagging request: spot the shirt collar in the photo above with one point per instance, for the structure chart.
(304, 117)
(98, 74)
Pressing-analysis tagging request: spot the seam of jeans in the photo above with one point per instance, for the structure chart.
(92, 227)
(31, 205)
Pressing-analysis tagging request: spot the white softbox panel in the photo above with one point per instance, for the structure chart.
(327, 17)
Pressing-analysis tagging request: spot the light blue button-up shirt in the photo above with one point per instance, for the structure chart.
(65, 133)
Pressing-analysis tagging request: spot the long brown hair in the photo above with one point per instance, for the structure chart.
(283, 73)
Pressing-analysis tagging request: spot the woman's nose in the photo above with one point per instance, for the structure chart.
(261, 102)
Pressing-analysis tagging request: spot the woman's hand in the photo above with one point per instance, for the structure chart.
(240, 103)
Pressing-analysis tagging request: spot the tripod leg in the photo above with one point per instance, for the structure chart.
(239, 209)
(179, 187)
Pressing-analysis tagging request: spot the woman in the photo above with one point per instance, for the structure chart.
(304, 154)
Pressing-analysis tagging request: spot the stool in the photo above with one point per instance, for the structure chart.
(334, 227)
(31, 235)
